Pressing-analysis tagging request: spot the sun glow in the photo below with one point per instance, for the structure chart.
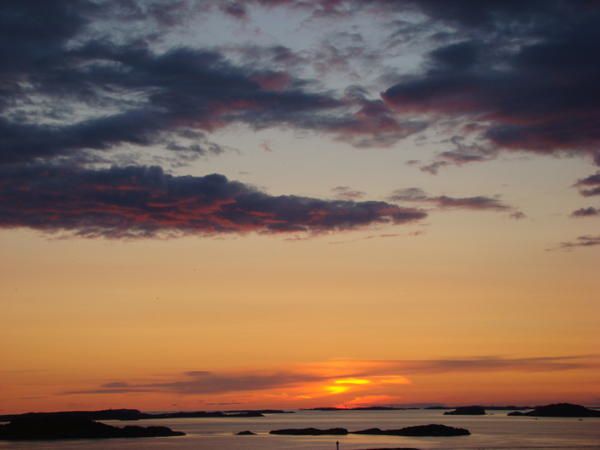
(333, 389)
(352, 381)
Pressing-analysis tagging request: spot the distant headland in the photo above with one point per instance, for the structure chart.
(136, 414)
(559, 410)
(467, 411)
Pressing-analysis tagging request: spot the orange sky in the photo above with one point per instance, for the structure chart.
(79, 314)
(283, 204)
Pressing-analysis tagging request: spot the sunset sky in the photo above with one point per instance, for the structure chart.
(298, 203)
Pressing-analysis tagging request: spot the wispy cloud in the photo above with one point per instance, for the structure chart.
(347, 193)
(589, 186)
(475, 203)
(580, 242)
(586, 212)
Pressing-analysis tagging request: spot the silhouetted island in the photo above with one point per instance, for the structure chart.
(245, 433)
(504, 408)
(559, 410)
(466, 411)
(41, 426)
(311, 431)
(419, 430)
(434, 430)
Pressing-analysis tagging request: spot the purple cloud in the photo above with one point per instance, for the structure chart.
(144, 201)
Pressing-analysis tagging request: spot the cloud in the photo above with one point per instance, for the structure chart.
(203, 382)
(475, 203)
(490, 77)
(144, 201)
(515, 77)
(462, 153)
(89, 91)
(160, 94)
(581, 241)
(489, 363)
(586, 212)
(373, 123)
(347, 193)
(589, 186)
(362, 375)
(412, 194)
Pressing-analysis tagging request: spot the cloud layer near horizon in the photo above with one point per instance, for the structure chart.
(376, 372)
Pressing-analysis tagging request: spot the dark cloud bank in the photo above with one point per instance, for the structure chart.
(516, 75)
(56, 68)
(503, 75)
(145, 201)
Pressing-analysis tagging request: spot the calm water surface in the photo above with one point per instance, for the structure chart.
(495, 431)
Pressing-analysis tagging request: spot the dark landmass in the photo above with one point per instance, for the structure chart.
(41, 426)
(508, 407)
(245, 433)
(311, 431)
(419, 430)
(375, 431)
(438, 407)
(135, 414)
(559, 410)
(261, 411)
(466, 411)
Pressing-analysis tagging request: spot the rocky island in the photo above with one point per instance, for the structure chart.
(432, 430)
(559, 410)
(419, 430)
(52, 426)
(466, 411)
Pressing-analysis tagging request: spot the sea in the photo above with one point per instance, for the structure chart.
(490, 432)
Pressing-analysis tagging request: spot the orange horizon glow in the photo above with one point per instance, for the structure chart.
(431, 383)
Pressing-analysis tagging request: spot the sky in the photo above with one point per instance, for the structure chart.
(298, 203)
